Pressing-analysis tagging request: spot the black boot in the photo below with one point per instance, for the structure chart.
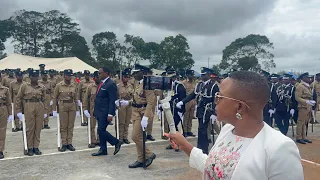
(1, 155)
(63, 148)
(126, 141)
(46, 127)
(70, 147)
(149, 137)
(30, 152)
(37, 151)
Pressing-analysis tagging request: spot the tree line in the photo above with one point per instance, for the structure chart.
(54, 34)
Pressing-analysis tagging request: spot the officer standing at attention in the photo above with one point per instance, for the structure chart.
(42, 67)
(305, 104)
(284, 103)
(14, 89)
(316, 86)
(125, 92)
(88, 107)
(47, 84)
(5, 115)
(31, 101)
(8, 80)
(142, 111)
(190, 85)
(82, 91)
(65, 94)
(204, 92)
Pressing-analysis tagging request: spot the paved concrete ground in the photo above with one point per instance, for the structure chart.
(81, 165)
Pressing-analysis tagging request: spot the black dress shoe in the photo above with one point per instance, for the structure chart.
(169, 147)
(30, 152)
(70, 147)
(97, 144)
(307, 140)
(149, 137)
(85, 124)
(301, 141)
(137, 164)
(82, 124)
(37, 151)
(63, 148)
(190, 134)
(92, 146)
(117, 147)
(100, 153)
(46, 127)
(126, 141)
(15, 130)
(150, 160)
(1, 155)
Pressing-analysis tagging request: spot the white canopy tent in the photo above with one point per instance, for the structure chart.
(24, 62)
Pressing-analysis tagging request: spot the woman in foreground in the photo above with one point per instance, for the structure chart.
(246, 148)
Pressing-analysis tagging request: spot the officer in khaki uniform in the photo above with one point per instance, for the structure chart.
(190, 85)
(150, 121)
(65, 96)
(8, 80)
(316, 86)
(49, 89)
(5, 115)
(53, 81)
(26, 77)
(82, 91)
(125, 92)
(305, 103)
(14, 89)
(31, 101)
(88, 107)
(142, 111)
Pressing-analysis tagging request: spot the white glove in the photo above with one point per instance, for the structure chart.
(213, 118)
(77, 113)
(10, 118)
(124, 103)
(54, 114)
(179, 104)
(45, 115)
(79, 103)
(86, 112)
(311, 102)
(158, 113)
(117, 102)
(271, 111)
(180, 115)
(51, 102)
(313, 115)
(292, 112)
(20, 116)
(144, 123)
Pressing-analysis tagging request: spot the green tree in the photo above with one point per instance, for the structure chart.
(249, 53)
(152, 52)
(216, 69)
(5, 32)
(107, 50)
(174, 51)
(28, 32)
(134, 49)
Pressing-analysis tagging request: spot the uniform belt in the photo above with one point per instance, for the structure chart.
(139, 105)
(32, 100)
(68, 101)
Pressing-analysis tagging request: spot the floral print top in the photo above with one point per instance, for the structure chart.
(223, 158)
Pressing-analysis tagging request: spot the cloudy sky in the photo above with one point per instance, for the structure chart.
(209, 25)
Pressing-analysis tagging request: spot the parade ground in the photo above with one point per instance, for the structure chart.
(81, 165)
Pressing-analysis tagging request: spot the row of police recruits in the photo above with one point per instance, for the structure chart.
(295, 98)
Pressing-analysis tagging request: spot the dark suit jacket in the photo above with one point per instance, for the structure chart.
(105, 100)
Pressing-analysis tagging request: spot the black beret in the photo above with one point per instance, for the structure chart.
(34, 73)
(68, 72)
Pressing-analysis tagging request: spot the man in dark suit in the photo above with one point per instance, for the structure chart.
(104, 110)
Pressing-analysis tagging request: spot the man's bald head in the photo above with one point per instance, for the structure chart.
(250, 87)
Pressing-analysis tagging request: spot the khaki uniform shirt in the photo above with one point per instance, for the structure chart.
(303, 93)
(90, 97)
(141, 96)
(7, 81)
(316, 86)
(5, 98)
(125, 92)
(14, 89)
(83, 88)
(29, 92)
(190, 86)
(64, 92)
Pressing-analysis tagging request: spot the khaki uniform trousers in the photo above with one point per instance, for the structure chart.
(137, 136)
(303, 119)
(3, 126)
(150, 123)
(47, 101)
(93, 123)
(188, 116)
(67, 113)
(124, 121)
(33, 113)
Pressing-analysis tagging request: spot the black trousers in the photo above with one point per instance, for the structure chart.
(104, 135)
(282, 120)
(266, 117)
(203, 142)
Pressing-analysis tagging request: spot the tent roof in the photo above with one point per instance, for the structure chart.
(14, 61)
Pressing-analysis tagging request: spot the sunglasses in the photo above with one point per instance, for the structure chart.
(218, 97)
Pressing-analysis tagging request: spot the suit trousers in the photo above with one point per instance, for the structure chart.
(124, 121)
(137, 133)
(203, 142)
(104, 135)
(282, 120)
(188, 115)
(303, 119)
(67, 113)
(33, 112)
(3, 126)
